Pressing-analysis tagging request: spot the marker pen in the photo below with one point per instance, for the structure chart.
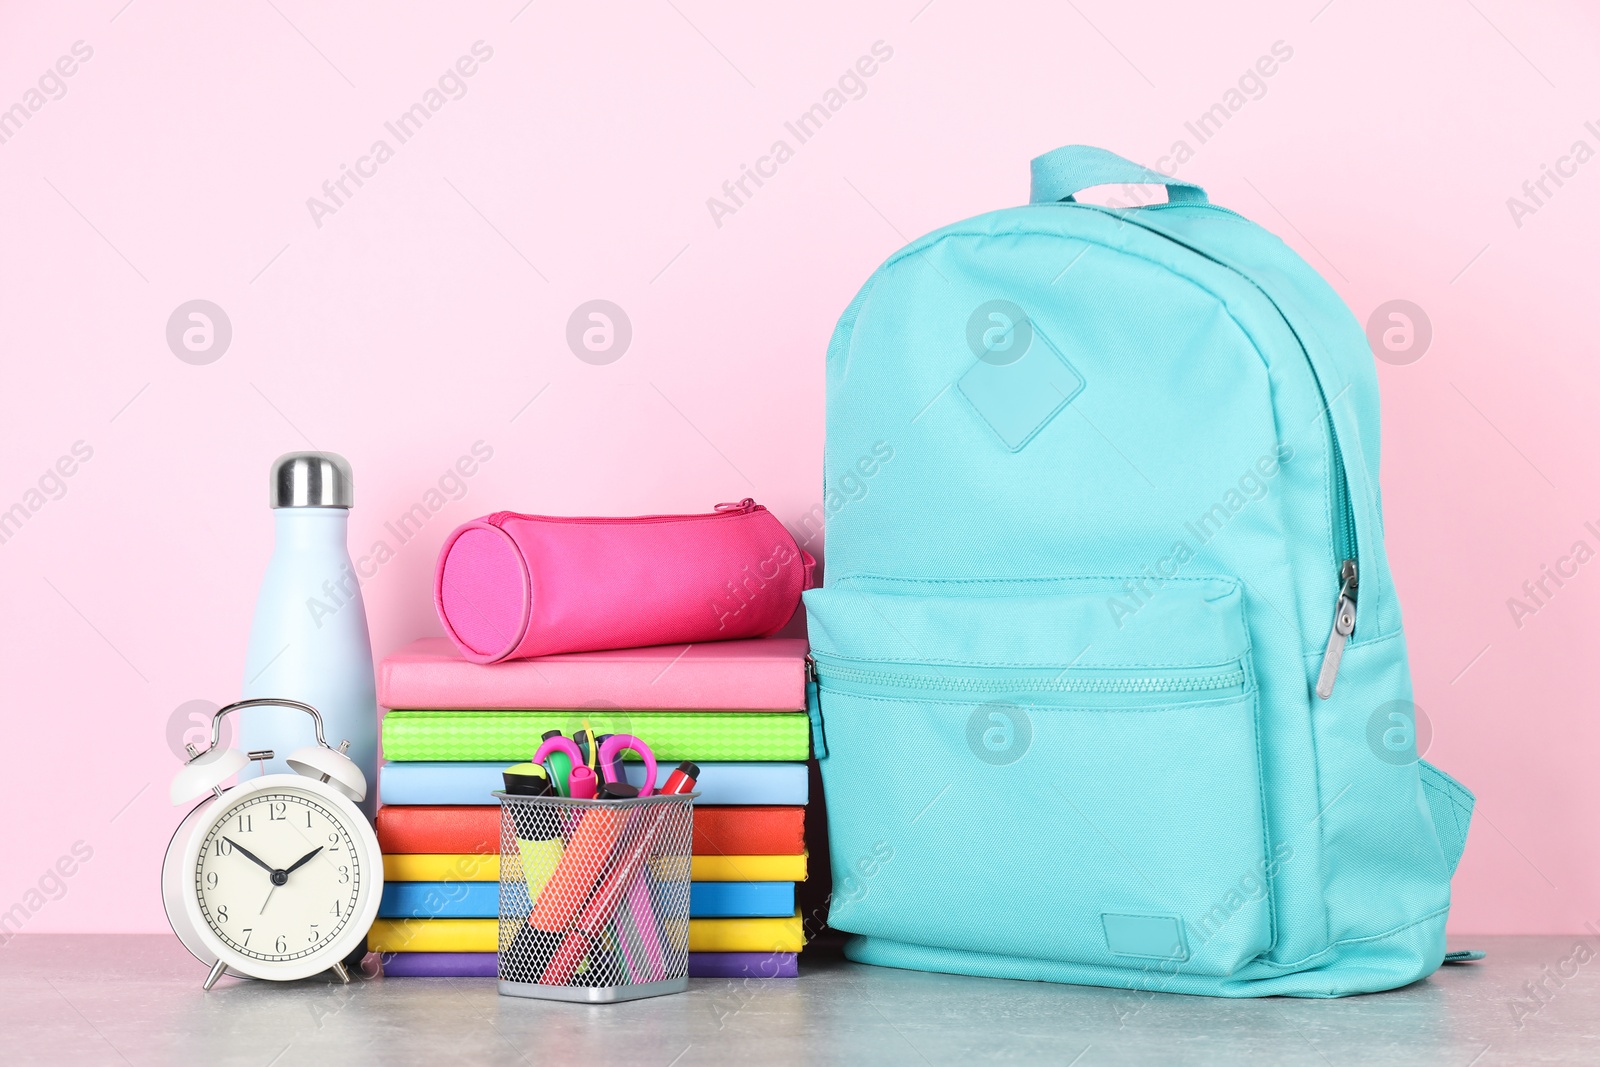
(682, 778)
(582, 783)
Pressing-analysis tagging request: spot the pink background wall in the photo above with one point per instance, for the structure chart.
(430, 309)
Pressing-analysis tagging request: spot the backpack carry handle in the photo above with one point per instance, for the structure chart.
(1061, 174)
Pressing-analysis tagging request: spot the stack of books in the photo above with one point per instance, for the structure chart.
(736, 708)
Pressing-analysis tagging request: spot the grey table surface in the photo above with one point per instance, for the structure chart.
(109, 999)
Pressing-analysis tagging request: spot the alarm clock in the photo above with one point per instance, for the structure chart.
(278, 877)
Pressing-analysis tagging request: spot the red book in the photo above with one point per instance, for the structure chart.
(449, 830)
(718, 831)
(749, 831)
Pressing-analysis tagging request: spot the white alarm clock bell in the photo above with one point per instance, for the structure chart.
(278, 877)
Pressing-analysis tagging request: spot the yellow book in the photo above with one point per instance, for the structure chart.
(421, 867)
(482, 935)
(747, 869)
(434, 935)
(747, 935)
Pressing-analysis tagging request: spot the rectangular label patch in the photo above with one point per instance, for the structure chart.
(1017, 394)
(1158, 937)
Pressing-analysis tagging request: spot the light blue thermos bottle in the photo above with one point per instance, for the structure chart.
(309, 639)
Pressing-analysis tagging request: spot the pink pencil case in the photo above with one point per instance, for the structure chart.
(511, 586)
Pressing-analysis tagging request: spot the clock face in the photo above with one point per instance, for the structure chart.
(279, 875)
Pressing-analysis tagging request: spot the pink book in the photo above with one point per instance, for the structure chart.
(761, 674)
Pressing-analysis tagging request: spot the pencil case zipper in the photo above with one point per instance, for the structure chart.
(742, 507)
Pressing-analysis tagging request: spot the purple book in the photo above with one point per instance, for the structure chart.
(482, 965)
(744, 965)
(438, 964)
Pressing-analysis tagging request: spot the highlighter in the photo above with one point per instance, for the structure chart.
(538, 827)
(636, 933)
(583, 863)
(527, 780)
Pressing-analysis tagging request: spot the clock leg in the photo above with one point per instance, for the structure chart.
(344, 975)
(216, 972)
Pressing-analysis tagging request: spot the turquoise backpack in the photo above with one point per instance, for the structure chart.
(1109, 684)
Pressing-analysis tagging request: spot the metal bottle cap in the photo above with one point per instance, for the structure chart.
(311, 480)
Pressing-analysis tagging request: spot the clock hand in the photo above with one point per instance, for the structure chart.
(302, 861)
(251, 856)
(264, 903)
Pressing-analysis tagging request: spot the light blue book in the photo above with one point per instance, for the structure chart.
(475, 783)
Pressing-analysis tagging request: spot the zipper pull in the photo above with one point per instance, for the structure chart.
(819, 738)
(747, 504)
(1344, 624)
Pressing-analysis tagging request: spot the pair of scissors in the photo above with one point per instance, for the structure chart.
(614, 746)
(582, 783)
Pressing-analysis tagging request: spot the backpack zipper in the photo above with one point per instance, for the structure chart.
(1344, 529)
(1225, 678)
(742, 507)
(1344, 622)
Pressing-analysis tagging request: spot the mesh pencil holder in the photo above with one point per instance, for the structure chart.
(594, 897)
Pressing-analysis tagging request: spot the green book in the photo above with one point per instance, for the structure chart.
(707, 736)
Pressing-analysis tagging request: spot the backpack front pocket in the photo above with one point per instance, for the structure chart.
(1046, 769)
